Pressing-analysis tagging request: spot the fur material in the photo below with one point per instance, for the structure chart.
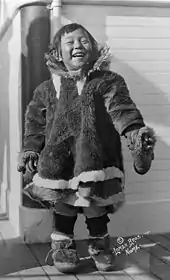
(57, 236)
(103, 62)
(101, 253)
(84, 177)
(141, 142)
(27, 159)
(77, 136)
(64, 255)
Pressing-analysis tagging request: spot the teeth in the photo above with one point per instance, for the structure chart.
(78, 55)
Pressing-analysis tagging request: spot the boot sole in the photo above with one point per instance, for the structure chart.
(67, 268)
(103, 267)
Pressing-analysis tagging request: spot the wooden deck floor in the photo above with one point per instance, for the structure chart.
(27, 262)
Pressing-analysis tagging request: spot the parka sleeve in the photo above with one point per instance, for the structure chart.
(121, 108)
(129, 122)
(35, 122)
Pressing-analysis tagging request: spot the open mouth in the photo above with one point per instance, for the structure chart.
(79, 54)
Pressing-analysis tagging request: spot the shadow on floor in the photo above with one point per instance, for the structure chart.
(151, 259)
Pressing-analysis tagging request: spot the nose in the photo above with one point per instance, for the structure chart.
(77, 44)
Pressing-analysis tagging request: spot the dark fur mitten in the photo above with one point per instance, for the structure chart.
(27, 164)
(27, 160)
(141, 143)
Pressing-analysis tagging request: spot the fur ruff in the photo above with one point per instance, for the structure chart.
(103, 62)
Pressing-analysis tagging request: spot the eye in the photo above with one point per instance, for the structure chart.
(69, 42)
(85, 41)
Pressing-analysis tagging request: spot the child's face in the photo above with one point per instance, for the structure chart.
(76, 49)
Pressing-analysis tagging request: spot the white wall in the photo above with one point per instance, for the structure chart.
(10, 128)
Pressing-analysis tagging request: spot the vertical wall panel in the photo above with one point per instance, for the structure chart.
(35, 38)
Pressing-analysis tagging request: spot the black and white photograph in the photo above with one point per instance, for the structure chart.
(85, 139)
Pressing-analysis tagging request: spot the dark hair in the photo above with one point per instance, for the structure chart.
(54, 48)
(70, 28)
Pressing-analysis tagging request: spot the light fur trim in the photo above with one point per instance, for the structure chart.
(76, 200)
(89, 176)
(56, 82)
(101, 175)
(80, 85)
(49, 184)
(99, 237)
(102, 63)
(58, 236)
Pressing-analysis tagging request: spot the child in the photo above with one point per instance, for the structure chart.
(72, 144)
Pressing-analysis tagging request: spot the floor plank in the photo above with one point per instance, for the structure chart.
(161, 240)
(27, 262)
(162, 272)
(16, 257)
(145, 277)
(166, 235)
(161, 251)
(35, 273)
(11, 276)
(117, 275)
(91, 276)
(7, 230)
(157, 264)
(139, 265)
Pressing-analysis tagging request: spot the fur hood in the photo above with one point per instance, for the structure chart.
(102, 62)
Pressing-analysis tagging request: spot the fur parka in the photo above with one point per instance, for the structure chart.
(77, 137)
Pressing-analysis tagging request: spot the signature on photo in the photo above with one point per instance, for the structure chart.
(129, 245)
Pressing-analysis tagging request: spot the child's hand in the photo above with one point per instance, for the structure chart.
(141, 143)
(147, 142)
(27, 161)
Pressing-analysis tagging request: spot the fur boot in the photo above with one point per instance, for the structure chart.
(63, 253)
(100, 252)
